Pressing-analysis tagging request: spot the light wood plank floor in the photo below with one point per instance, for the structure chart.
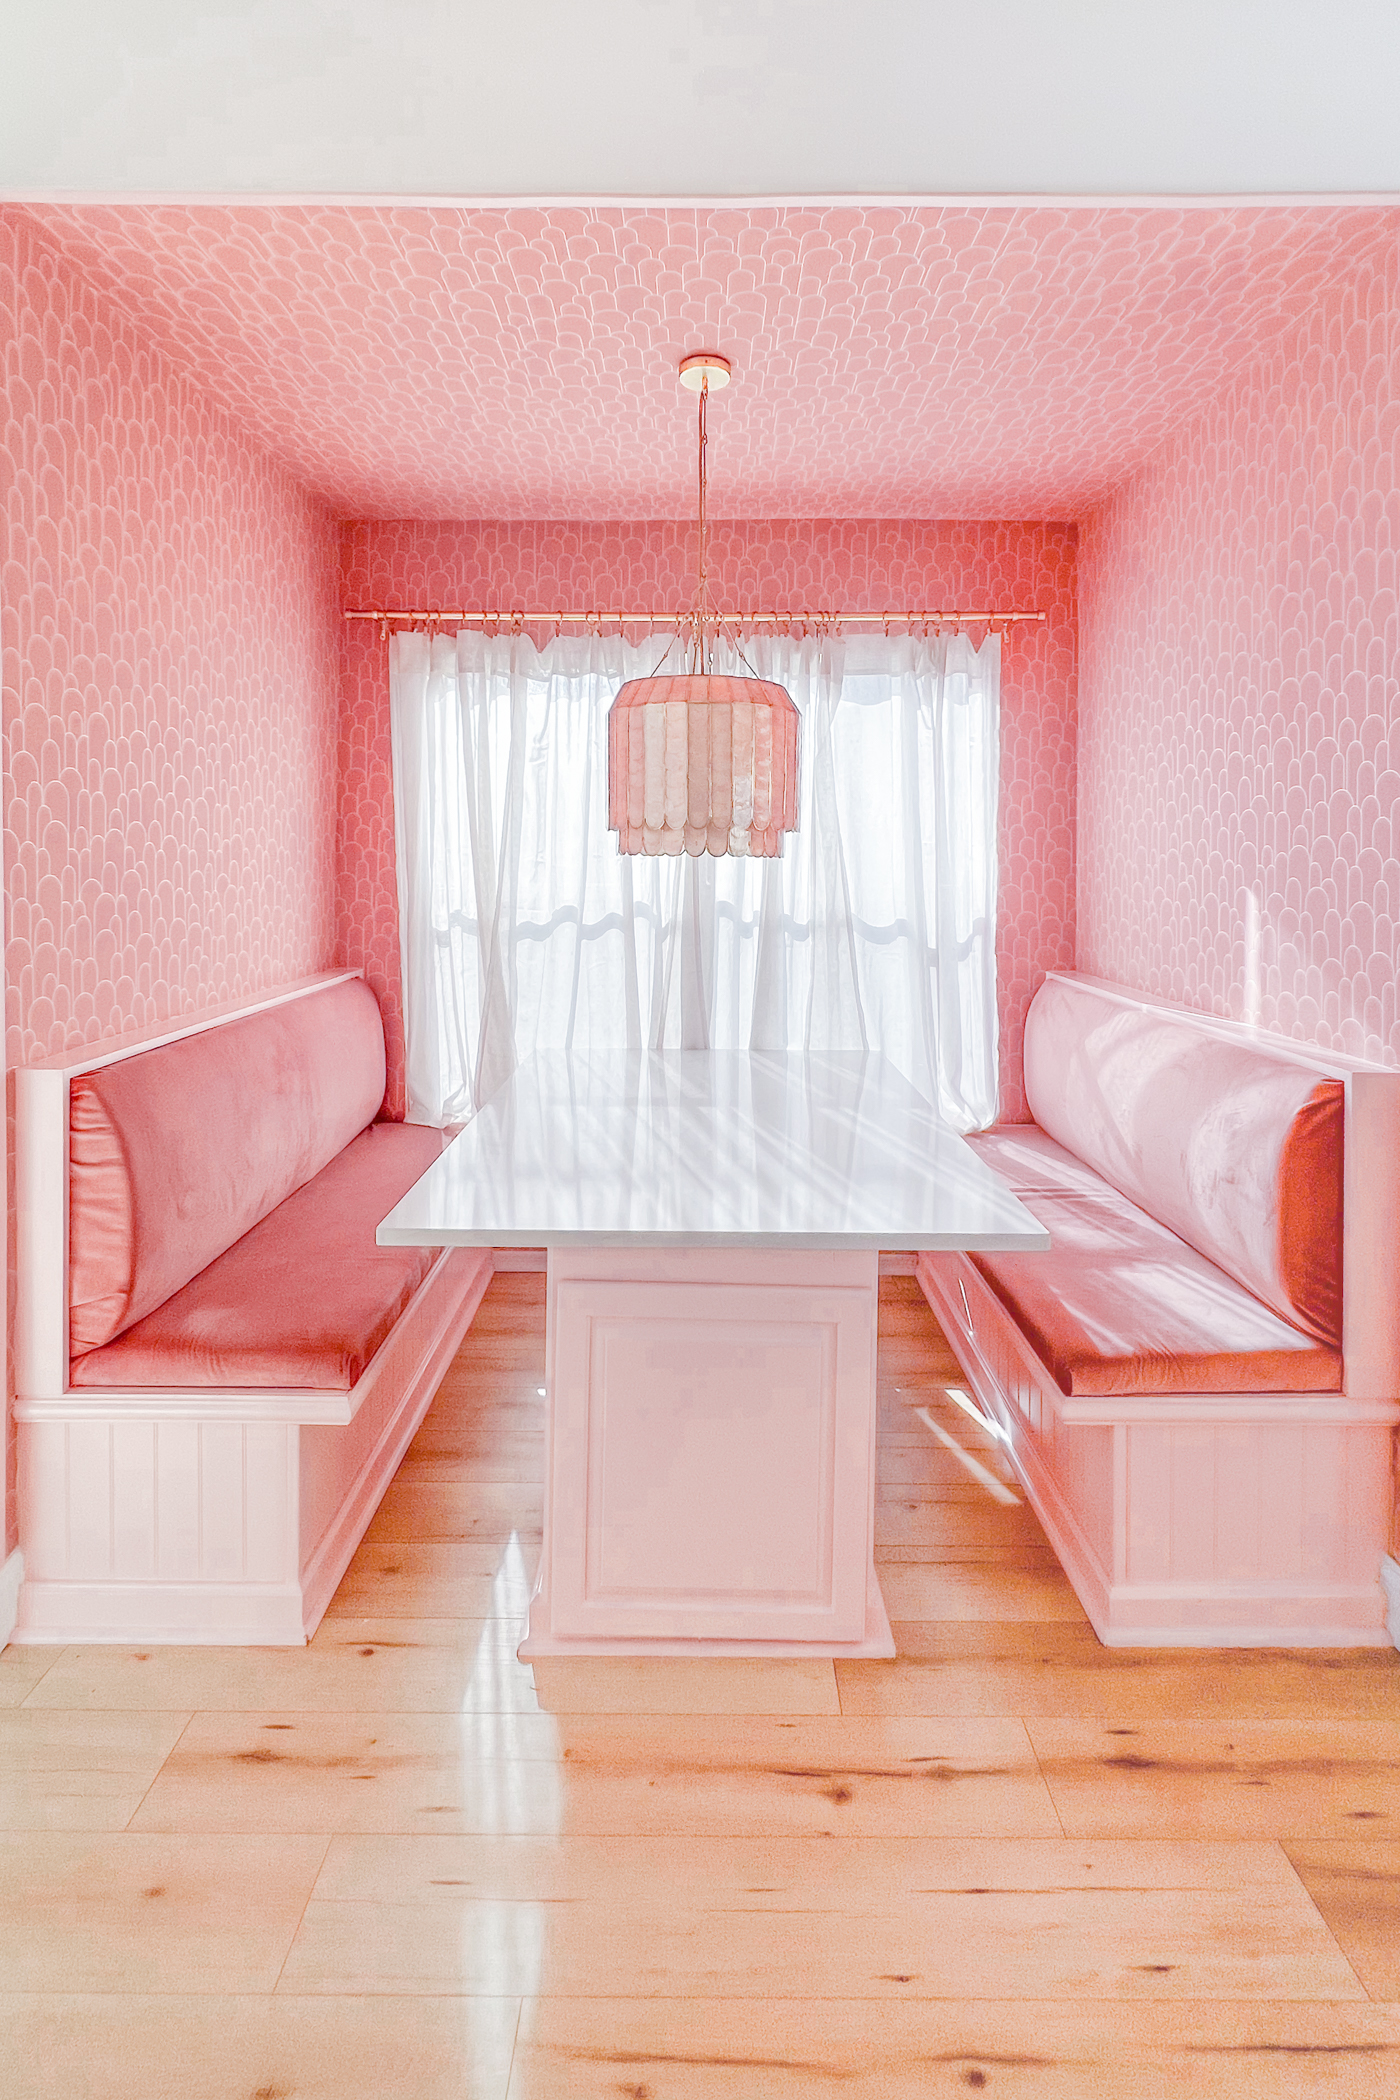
(394, 1864)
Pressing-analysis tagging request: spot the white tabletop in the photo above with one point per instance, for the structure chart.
(709, 1148)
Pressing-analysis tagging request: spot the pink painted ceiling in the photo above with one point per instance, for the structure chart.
(890, 361)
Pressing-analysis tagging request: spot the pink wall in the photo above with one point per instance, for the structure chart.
(862, 567)
(1239, 693)
(1240, 696)
(171, 680)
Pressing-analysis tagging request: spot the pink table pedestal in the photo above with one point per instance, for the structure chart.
(711, 1446)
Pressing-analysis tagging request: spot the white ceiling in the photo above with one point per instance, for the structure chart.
(700, 98)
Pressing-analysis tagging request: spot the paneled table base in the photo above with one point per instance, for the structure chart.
(710, 1459)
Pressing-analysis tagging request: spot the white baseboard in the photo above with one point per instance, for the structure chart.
(11, 1576)
(162, 1614)
(1390, 1583)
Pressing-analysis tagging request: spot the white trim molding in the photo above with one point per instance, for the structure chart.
(11, 1576)
(1390, 1583)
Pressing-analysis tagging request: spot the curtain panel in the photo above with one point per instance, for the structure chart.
(522, 928)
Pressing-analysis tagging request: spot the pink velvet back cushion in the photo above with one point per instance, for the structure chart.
(1238, 1152)
(176, 1153)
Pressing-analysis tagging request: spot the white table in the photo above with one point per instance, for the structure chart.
(713, 1223)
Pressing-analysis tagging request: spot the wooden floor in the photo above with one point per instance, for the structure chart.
(391, 1865)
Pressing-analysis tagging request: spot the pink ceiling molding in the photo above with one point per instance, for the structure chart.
(959, 361)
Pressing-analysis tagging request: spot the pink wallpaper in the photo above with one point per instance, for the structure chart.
(1239, 755)
(197, 796)
(893, 360)
(863, 567)
(171, 670)
(1239, 759)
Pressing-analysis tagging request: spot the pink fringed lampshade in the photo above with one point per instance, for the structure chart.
(702, 764)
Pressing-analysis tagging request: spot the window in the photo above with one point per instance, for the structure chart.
(523, 928)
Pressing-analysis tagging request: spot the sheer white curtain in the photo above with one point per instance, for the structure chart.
(521, 927)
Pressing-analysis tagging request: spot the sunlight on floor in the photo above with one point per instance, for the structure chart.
(514, 1754)
(997, 1489)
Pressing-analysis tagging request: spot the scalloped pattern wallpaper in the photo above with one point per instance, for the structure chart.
(894, 361)
(1239, 693)
(1201, 746)
(171, 657)
(861, 567)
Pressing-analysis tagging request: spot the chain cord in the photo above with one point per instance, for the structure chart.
(702, 594)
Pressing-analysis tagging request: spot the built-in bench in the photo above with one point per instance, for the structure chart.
(1198, 1382)
(218, 1369)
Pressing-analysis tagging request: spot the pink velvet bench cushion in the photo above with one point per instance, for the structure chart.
(1237, 1151)
(304, 1299)
(1121, 1305)
(176, 1153)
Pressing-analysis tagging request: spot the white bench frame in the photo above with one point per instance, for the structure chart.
(200, 1514)
(1216, 1519)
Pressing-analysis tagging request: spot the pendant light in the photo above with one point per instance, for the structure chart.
(699, 762)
